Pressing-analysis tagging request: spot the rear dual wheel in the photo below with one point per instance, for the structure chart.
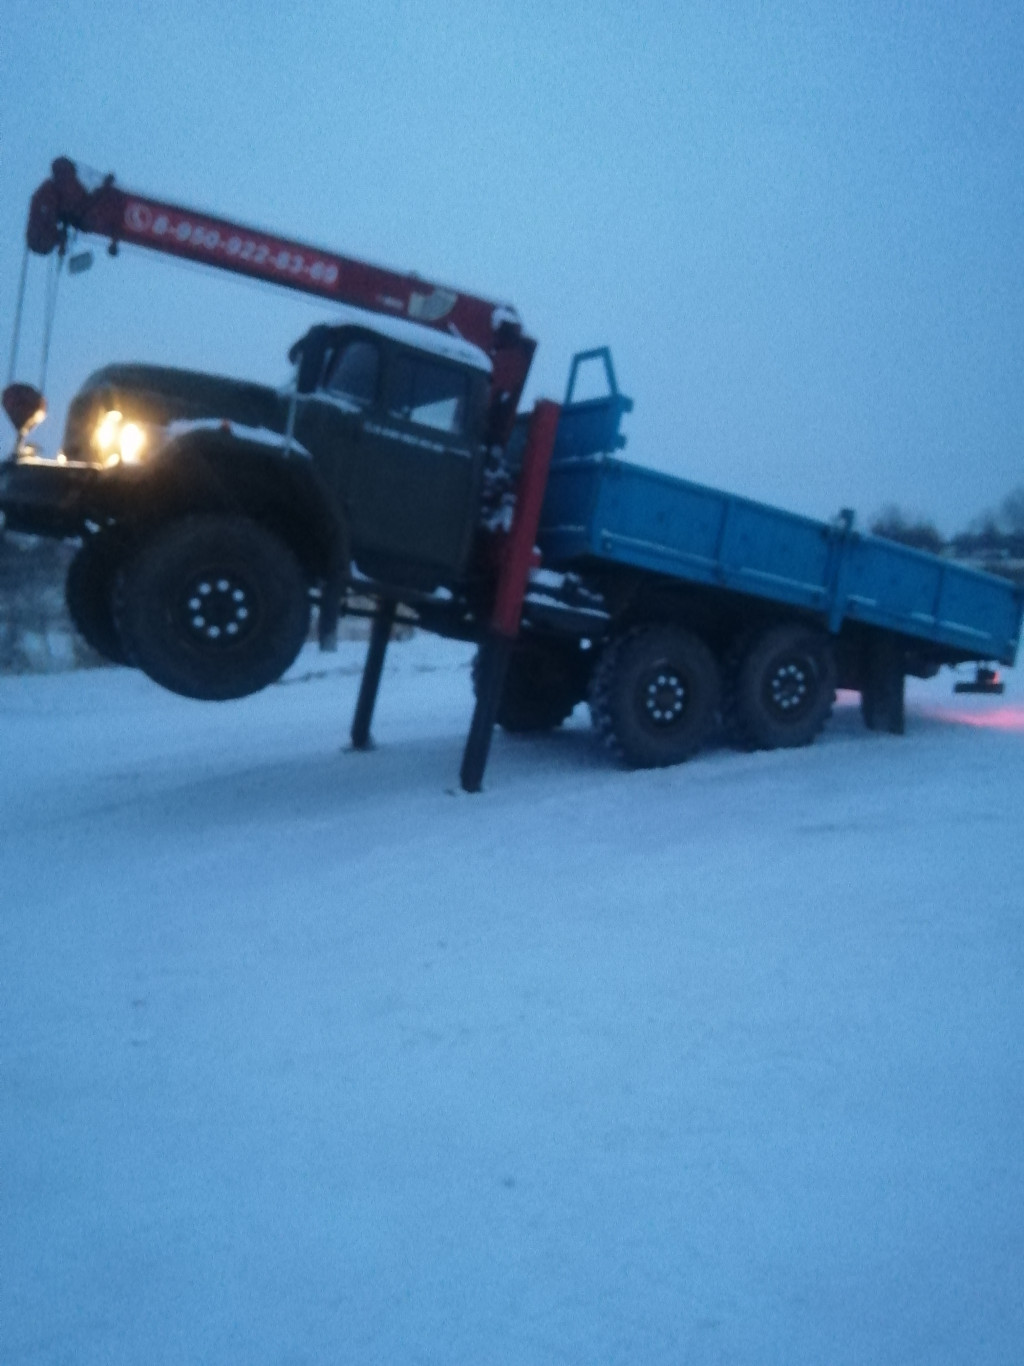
(654, 695)
(543, 683)
(780, 688)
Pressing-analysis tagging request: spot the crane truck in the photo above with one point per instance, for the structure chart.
(216, 515)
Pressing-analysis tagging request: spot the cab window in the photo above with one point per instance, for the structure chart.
(428, 394)
(352, 372)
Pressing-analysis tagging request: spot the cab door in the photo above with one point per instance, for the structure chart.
(330, 422)
(414, 484)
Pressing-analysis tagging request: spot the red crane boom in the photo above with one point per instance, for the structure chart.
(63, 204)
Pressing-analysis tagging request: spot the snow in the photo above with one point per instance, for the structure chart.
(449, 345)
(306, 1059)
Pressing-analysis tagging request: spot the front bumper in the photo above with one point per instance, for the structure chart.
(52, 497)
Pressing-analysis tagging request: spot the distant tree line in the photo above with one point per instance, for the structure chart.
(994, 540)
(896, 525)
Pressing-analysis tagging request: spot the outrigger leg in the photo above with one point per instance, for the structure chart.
(492, 665)
(496, 646)
(380, 634)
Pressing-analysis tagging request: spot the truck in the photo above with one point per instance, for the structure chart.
(394, 477)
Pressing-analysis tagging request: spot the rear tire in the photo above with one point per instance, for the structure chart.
(654, 695)
(780, 688)
(213, 607)
(543, 684)
(89, 592)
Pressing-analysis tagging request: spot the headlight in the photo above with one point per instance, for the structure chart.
(117, 440)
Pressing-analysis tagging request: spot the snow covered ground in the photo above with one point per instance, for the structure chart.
(305, 1059)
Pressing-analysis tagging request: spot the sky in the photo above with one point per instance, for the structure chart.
(797, 225)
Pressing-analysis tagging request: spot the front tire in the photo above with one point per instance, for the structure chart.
(89, 592)
(213, 607)
(654, 695)
(543, 684)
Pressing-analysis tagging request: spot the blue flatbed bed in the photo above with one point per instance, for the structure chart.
(602, 511)
(602, 508)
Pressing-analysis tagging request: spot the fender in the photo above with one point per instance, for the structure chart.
(214, 470)
(210, 470)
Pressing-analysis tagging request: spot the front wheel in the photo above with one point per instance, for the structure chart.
(89, 591)
(654, 695)
(213, 607)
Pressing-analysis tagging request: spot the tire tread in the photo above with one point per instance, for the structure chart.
(148, 648)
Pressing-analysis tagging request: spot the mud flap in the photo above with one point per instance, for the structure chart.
(882, 699)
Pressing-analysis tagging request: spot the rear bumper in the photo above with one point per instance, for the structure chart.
(49, 498)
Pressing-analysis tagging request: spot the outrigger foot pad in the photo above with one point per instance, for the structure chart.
(985, 681)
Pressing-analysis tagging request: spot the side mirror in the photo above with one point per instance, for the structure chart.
(309, 352)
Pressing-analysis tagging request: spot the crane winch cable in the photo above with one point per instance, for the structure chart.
(18, 307)
(52, 289)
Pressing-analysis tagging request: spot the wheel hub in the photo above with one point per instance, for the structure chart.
(219, 609)
(789, 687)
(664, 696)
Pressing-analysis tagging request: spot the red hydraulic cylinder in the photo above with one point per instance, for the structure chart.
(496, 646)
(518, 554)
